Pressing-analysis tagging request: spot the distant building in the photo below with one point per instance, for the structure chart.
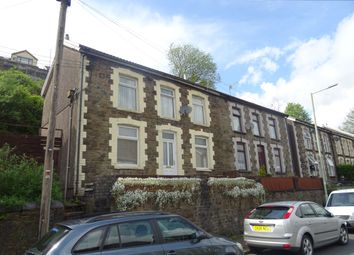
(24, 61)
(24, 57)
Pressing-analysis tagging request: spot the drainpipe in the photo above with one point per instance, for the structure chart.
(71, 96)
(79, 126)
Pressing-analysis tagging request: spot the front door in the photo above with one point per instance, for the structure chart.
(261, 156)
(169, 153)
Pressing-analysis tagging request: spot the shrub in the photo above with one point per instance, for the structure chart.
(347, 171)
(21, 179)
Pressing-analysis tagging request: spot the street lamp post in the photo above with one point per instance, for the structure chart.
(321, 163)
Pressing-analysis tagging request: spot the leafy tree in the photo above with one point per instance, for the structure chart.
(20, 102)
(297, 111)
(348, 124)
(193, 64)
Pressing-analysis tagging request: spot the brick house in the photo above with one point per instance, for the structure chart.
(123, 119)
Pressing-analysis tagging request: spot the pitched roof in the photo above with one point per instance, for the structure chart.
(15, 53)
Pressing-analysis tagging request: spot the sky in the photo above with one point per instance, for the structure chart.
(267, 52)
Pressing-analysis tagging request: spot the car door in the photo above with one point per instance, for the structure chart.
(330, 224)
(90, 243)
(179, 237)
(131, 238)
(311, 220)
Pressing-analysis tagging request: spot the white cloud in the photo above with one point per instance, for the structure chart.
(317, 64)
(269, 65)
(252, 76)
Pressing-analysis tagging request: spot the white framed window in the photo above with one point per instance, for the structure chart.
(198, 110)
(168, 109)
(128, 145)
(272, 128)
(127, 93)
(241, 158)
(326, 144)
(277, 161)
(307, 139)
(201, 152)
(169, 149)
(255, 126)
(25, 60)
(313, 165)
(330, 165)
(236, 119)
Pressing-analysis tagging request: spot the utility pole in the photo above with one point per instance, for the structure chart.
(49, 150)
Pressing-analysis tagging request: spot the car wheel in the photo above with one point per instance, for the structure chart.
(254, 249)
(343, 236)
(306, 246)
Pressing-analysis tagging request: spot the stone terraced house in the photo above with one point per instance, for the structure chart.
(119, 118)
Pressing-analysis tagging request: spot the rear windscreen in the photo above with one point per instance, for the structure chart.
(341, 199)
(51, 238)
(271, 212)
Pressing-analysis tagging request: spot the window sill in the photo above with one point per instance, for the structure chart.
(128, 167)
(275, 139)
(128, 110)
(167, 118)
(200, 124)
(204, 169)
(239, 132)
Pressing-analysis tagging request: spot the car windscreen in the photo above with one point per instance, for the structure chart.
(269, 212)
(341, 199)
(51, 238)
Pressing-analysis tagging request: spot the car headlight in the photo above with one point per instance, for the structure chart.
(239, 246)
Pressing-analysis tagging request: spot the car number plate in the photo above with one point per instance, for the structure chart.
(262, 228)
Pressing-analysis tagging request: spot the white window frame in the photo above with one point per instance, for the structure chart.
(210, 144)
(194, 112)
(272, 124)
(139, 95)
(206, 108)
(254, 114)
(173, 97)
(331, 167)
(276, 167)
(237, 117)
(307, 139)
(126, 85)
(245, 156)
(131, 139)
(202, 147)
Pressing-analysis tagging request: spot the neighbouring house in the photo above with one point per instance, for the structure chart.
(24, 57)
(25, 62)
(120, 118)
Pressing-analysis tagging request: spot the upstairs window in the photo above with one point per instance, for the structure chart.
(236, 119)
(307, 140)
(272, 128)
(127, 145)
(127, 93)
(198, 110)
(255, 126)
(167, 103)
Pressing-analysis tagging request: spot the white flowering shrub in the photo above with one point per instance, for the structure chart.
(130, 193)
(238, 187)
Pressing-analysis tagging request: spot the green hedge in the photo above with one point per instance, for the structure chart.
(21, 179)
(347, 171)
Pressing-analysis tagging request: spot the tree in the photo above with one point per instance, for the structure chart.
(348, 124)
(20, 102)
(193, 64)
(297, 111)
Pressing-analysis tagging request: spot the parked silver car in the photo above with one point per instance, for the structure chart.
(293, 225)
(135, 233)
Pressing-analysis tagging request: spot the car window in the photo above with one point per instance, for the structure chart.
(319, 210)
(90, 242)
(307, 211)
(112, 238)
(341, 199)
(176, 229)
(51, 238)
(136, 233)
(269, 212)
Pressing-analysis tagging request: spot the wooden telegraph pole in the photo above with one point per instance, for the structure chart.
(49, 150)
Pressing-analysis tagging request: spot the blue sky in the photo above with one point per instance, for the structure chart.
(271, 52)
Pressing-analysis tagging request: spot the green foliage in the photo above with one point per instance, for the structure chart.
(21, 179)
(262, 171)
(20, 102)
(197, 66)
(297, 111)
(347, 171)
(348, 124)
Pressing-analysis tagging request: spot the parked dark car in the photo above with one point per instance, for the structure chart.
(148, 233)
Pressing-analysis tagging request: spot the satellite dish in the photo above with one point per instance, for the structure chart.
(185, 109)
